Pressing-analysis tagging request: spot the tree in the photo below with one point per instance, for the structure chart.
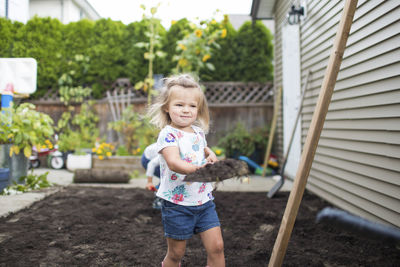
(255, 53)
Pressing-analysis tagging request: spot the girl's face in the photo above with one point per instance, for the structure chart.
(183, 107)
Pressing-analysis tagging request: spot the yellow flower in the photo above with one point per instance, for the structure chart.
(218, 152)
(138, 149)
(198, 33)
(223, 34)
(213, 21)
(181, 46)
(108, 154)
(112, 147)
(101, 157)
(206, 57)
(182, 62)
(99, 151)
(94, 149)
(173, 22)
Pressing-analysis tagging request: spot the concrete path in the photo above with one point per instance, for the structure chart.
(62, 178)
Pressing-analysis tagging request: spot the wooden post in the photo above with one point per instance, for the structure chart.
(272, 130)
(313, 135)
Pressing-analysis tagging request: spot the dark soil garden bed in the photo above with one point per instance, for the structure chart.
(85, 226)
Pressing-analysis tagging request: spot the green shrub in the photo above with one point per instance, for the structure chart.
(237, 142)
(255, 53)
(41, 38)
(107, 58)
(7, 37)
(243, 142)
(245, 55)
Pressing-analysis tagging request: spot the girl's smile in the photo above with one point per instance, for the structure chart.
(183, 107)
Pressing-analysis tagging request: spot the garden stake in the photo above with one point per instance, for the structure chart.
(272, 130)
(313, 135)
(281, 181)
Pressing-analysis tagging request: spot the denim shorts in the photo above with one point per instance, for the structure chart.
(181, 222)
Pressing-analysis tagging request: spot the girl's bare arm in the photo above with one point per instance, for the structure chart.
(175, 163)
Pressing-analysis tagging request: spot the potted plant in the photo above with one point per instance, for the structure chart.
(238, 142)
(77, 135)
(24, 127)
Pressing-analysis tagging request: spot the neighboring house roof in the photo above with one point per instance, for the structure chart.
(262, 9)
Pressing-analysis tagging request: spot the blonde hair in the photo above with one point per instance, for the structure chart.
(156, 112)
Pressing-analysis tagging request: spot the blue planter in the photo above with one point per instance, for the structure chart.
(17, 164)
(4, 178)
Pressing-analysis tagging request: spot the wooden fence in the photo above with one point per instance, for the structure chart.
(229, 102)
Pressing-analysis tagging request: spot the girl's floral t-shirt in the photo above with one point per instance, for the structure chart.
(191, 148)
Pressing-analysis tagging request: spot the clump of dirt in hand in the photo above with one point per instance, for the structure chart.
(219, 171)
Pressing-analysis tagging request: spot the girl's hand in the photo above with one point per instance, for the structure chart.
(211, 158)
(210, 155)
(151, 187)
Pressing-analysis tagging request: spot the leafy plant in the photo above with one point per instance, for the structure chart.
(27, 128)
(153, 50)
(5, 125)
(136, 130)
(219, 151)
(29, 182)
(122, 151)
(224, 59)
(238, 142)
(79, 131)
(70, 82)
(195, 49)
(242, 142)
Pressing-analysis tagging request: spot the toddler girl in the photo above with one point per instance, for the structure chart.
(181, 111)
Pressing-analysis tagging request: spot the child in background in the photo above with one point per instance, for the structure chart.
(151, 163)
(181, 111)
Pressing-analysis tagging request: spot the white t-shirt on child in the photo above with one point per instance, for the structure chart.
(191, 149)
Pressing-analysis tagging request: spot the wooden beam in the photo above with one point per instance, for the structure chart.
(314, 133)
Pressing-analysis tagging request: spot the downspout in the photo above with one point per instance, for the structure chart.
(62, 11)
(6, 9)
(254, 10)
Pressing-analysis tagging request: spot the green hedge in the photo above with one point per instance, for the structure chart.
(245, 55)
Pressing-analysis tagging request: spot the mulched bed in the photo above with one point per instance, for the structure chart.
(89, 226)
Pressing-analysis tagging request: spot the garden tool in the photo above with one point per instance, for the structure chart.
(281, 181)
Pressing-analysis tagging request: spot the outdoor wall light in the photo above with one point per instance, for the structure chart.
(295, 14)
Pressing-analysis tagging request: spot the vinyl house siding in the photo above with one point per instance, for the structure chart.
(357, 162)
